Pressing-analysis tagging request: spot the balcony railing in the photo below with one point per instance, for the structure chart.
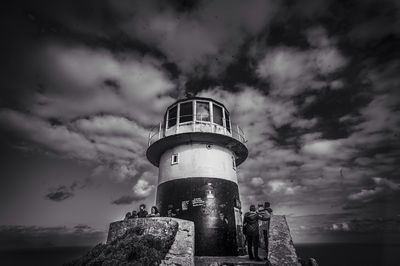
(160, 131)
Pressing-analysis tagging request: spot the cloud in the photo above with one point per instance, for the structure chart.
(59, 194)
(322, 147)
(92, 105)
(377, 122)
(343, 227)
(82, 228)
(124, 200)
(257, 181)
(58, 139)
(279, 186)
(292, 71)
(384, 22)
(276, 185)
(107, 125)
(63, 192)
(382, 188)
(340, 227)
(76, 83)
(202, 39)
(258, 113)
(142, 189)
(14, 236)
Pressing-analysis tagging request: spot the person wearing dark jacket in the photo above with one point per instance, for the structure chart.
(250, 223)
(154, 212)
(266, 211)
(142, 211)
(127, 216)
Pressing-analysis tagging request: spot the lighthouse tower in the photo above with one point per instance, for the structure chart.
(197, 149)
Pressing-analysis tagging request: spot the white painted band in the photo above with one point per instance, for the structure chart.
(197, 160)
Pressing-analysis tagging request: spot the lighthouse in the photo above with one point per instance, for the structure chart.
(197, 149)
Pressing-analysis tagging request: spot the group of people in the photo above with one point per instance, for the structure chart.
(251, 228)
(142, 213)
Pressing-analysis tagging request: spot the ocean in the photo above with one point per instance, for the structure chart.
(53, 256)
(351, 254)
(326, 255)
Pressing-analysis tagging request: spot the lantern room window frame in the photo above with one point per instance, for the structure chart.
(226, 121)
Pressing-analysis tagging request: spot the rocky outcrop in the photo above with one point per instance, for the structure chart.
(281, 249)
(182, 249)
(145, 241)
(158, 227)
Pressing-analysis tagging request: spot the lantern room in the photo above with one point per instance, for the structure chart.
(196, 119)
(198, 114)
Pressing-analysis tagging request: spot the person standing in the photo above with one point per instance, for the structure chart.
(250, 223)
(267, 207)
(127, 216)
(266, 212)
(154, 212)
(223, 228)
(142, 211)
(134, 215)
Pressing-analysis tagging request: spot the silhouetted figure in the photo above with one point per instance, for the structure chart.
(127, 216)
(266, 211)
(267, 207)
(142, 211)
(171, 213)
(223, 226)
(250, 223)
(134, 215)
(154, 212)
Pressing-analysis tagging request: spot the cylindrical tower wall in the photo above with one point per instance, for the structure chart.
(198, 182)
(197, 160)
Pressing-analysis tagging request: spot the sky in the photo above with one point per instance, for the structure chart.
(315, 85)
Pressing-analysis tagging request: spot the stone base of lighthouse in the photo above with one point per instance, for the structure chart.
(213, 205)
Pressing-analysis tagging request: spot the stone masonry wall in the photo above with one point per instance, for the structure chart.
(281, 249)
(182, 249)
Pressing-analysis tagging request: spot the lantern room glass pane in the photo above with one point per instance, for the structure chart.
(172, 116)
(227, 121)
(217, 115)
(202, 111)
(186, 112)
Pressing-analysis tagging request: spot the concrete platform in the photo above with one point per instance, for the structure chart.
(226, 261)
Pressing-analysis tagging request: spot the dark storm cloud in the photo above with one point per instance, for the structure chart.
(59, 194)
(381, 190)
(203, 38)
(41, 237)
(63, 192)
(124, 200)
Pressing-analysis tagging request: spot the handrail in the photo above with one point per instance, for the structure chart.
(159, 131)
